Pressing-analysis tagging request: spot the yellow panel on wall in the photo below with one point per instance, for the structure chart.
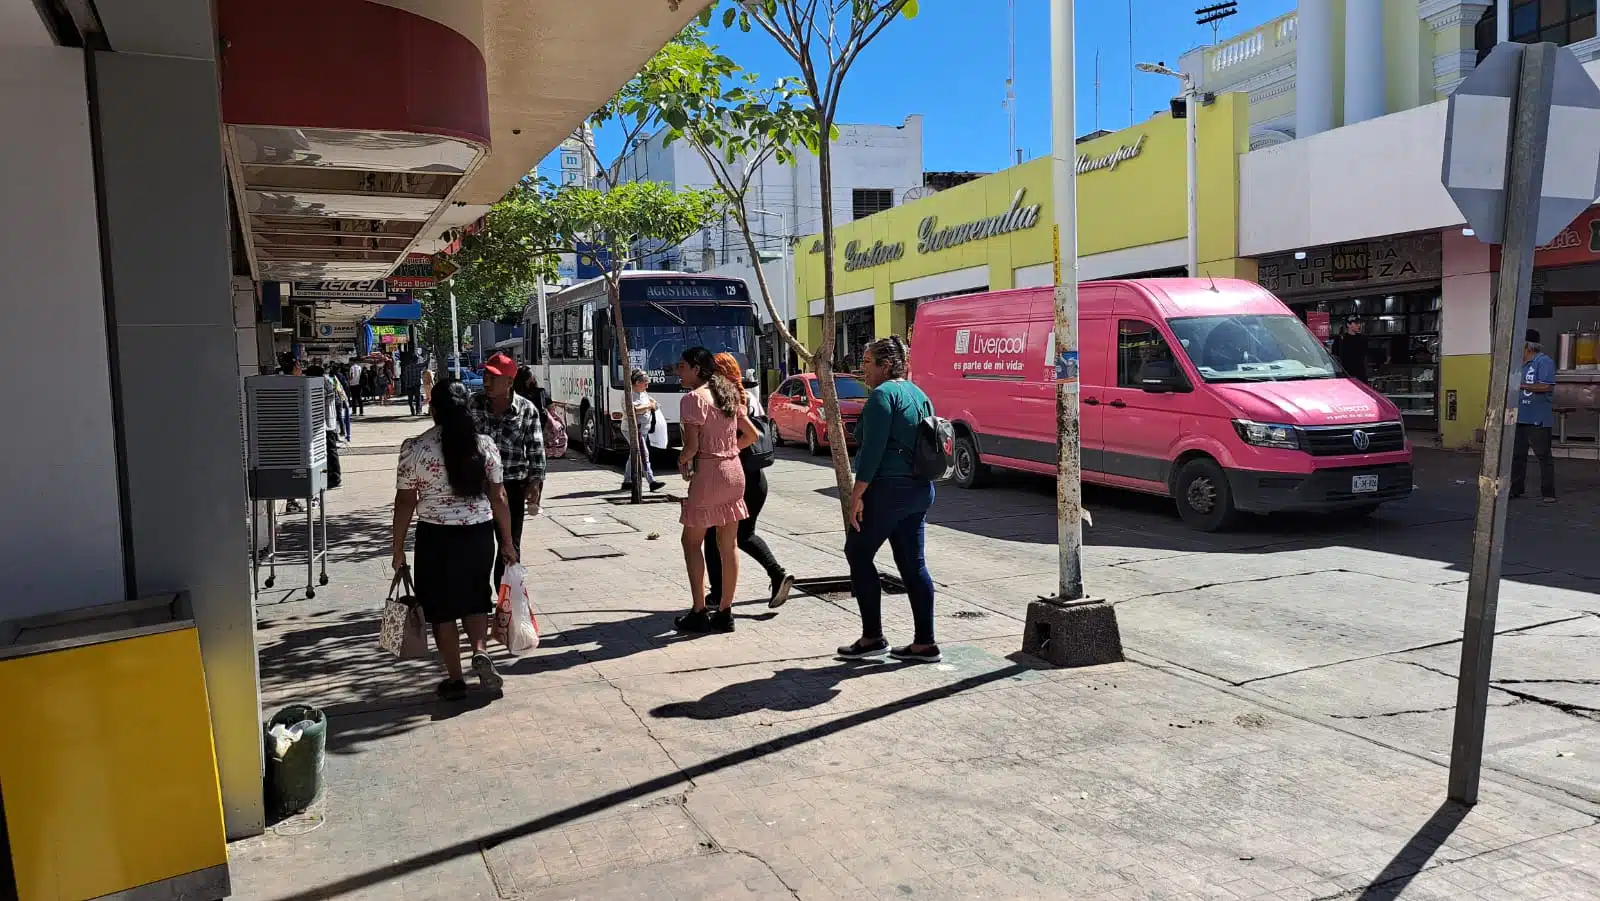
(1468, 376)
(107, 770)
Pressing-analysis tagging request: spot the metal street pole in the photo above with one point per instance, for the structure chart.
(1530, 128)
(1502, 23)
(1191, 100)
(455, 330)
(1064, 198)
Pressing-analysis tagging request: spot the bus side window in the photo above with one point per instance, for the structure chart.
(554, 336)
(574, 333)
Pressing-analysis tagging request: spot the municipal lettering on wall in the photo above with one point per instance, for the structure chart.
(1355, 265)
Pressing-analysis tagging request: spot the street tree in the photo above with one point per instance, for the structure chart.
(824, 38)
(537, 222)
(736, 126)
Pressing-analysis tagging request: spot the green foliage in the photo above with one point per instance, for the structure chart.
(523, 234)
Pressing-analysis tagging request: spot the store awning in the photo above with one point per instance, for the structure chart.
(358, 131)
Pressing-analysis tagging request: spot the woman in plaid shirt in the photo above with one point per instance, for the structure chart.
(512, 421)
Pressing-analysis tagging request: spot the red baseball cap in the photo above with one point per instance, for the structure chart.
(501, 365)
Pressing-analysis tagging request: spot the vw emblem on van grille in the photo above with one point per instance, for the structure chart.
(1360, 439)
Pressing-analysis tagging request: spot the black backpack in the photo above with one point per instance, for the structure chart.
(934, 455)
(761, 454)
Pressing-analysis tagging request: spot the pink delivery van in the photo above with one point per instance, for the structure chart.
(1213, 393)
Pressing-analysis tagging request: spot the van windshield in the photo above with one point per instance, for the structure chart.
(1252, 348)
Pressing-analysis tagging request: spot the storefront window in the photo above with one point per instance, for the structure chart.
(1391, 342)
(853, 334)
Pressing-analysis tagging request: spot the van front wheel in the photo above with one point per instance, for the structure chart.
(969, 469)
(1204, 499)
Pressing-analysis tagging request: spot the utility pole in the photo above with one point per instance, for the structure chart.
(1191, 115)
(1530, 129)
(455, 330)
(1067, 629)
(1064, 183)
(1526, 111)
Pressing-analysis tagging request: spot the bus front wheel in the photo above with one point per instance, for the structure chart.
(591, 437)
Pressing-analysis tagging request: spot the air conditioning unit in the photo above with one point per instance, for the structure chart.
(288, 448)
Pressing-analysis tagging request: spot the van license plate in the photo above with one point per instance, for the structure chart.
(1363, 484)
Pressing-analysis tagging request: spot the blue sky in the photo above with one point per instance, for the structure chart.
(949, 64)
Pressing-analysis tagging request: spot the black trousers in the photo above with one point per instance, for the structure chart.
(1538, 438)
(517, 501)
(335, 476)
(358, 399)
(755, 497)
(414, 400)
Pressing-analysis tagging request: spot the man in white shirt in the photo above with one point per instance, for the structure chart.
(357, 400)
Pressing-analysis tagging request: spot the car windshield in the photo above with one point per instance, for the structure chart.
(849, 388)
(1252, 348)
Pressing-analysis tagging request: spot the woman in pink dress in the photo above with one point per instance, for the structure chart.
(715, 429)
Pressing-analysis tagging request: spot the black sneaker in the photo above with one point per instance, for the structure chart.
(695, 621)
(657, 486)
(862, 649)
(929, 655)
(721, 621)
(780, 591)
(488, 676)
(627, 486)
(452, 689)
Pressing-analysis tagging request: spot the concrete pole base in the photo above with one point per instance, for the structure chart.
(1083, 633)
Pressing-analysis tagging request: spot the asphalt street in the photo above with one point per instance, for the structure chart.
(1355, 622)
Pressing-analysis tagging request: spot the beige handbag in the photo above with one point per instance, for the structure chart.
(402, 631)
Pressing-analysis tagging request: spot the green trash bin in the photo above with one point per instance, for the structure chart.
(294, 764)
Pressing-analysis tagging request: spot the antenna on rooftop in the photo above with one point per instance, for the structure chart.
(1214, 15)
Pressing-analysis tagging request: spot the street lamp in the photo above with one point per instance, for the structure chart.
(782, 353)
(1191, 113)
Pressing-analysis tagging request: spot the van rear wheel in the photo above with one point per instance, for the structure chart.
(970, 472)
(1205, 501)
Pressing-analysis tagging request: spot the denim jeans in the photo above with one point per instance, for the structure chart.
(641, 431)
(893, 510)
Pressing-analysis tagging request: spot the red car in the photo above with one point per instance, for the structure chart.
(796, 410)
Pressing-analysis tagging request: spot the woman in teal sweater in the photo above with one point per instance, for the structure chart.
(890, 503)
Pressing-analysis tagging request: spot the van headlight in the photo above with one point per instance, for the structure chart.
(1261, 434)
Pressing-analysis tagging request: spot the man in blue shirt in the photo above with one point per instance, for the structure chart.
(1535, 418)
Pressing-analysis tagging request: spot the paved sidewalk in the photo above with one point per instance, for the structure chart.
(625, 762)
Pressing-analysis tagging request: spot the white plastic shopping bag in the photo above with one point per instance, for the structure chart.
(515, 625)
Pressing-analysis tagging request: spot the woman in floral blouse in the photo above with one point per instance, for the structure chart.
(450, 479)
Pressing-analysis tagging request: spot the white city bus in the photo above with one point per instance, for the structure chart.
(571, 346)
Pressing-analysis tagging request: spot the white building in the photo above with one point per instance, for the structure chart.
(1332, 63)
(873, 168)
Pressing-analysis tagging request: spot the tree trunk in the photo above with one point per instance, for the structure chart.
(629, 422)
(778, 323)
(823, 361)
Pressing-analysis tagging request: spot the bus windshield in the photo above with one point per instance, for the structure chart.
(659, 333)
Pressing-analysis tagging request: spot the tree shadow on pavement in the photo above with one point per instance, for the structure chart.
(354, 536)
(787, 690)
(333, 662)
(1392, 881)
(469, 846)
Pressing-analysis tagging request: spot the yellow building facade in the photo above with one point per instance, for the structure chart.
(996, 232)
